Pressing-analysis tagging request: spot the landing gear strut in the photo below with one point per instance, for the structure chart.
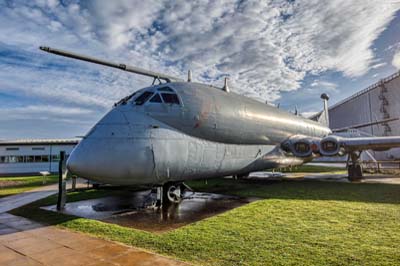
(241, 176)
(354, 167)
(169, 193)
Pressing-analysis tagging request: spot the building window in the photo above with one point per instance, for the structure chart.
(55, 158)
(12, 149)
(38, 148)
(45, 158)
(25, 159)
(12, 159)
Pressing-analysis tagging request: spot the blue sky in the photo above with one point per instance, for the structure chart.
(280, 51)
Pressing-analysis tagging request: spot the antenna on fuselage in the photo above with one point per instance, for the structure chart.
(226, 88)
(132, 69)
(324, 117)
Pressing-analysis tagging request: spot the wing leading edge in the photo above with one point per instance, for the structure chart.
(336, 145)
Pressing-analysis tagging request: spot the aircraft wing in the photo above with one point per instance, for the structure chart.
(333, 145)
(336, 145)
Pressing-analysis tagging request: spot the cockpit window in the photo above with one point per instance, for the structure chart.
(143, 97)
(165, 89)
(125, 99)
(170, 98)
(156, 99)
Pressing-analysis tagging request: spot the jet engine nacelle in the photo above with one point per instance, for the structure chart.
(331, 146)
(301, 146)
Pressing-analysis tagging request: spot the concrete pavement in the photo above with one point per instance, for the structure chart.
(27, 243)
(23, 242)
(21, 199)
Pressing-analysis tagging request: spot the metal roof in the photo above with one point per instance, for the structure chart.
(72, 141)
(366, 90)
(357, 94)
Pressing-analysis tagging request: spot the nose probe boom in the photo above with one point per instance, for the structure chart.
(123, 67)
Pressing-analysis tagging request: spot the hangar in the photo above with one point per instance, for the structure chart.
(380, 101)
(28, 156)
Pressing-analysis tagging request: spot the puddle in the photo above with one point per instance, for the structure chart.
(128, 209)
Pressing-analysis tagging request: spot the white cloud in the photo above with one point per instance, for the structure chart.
(324, 85)
(396, 60)
(378, 65)
(308, 114)
(337, 34)
(47, 113)
(48, 109)
(266, 47)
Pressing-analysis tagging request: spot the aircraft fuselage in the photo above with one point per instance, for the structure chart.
(201, 132)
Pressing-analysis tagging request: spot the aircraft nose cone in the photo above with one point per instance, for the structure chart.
(74, 164)
(80, 162)
(111, 154)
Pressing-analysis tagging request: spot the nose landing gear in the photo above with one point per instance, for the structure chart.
(170, 193)
(173, 193)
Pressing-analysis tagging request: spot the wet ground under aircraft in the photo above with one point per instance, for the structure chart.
(128, 209)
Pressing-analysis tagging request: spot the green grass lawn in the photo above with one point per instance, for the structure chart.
(314, 169)
(294, 223)
(14, 185)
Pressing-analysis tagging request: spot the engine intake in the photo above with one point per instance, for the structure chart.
(331, 146)
(301, 146)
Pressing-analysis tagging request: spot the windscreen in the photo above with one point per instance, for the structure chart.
(170, 98)
(143, 97)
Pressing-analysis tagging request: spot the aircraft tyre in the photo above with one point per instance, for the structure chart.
(355, 172)
(172, 193)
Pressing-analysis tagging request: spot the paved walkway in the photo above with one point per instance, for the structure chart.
(23, 242)
(27, 243)
(21, 199)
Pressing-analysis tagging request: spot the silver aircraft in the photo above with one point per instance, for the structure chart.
(180, 130)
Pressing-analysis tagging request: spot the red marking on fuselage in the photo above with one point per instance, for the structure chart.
(203, 115)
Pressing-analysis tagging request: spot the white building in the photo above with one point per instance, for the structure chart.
(26, 157)
(379, 101)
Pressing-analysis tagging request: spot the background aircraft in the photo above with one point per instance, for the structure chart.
(179, 130)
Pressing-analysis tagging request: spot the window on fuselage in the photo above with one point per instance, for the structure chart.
(156, 99)
(170, 98)
(143, 97)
